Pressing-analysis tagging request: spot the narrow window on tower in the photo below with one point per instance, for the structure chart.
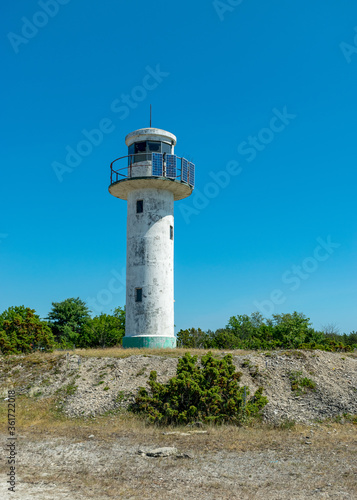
(139, 206)
(138, 294)
(171, 232)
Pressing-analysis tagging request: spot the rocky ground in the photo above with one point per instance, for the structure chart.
(109, 454)
(91, 386)
(307, 463)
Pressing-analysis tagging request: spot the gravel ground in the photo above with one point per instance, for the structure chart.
(93, 386)
(90, 467)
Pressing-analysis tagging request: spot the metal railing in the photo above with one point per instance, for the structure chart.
(184, 170)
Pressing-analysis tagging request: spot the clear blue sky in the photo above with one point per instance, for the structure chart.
(262, 92)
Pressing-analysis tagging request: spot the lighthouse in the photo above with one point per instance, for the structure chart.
(150, 178)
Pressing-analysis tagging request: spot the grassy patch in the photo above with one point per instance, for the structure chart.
(246, 363)
(70, 389)
(286, 425)
(141, 372)
(120, 397)
(253, 369)
(345, 417)
(299, 384)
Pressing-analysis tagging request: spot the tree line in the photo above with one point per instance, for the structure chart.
(282, 331)
(70, 325)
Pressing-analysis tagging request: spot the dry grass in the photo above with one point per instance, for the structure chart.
(119, 352)
(265, 453)
(30, 361)
(22, 371)
(41, 416)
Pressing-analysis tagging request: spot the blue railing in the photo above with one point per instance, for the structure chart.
(162, 165)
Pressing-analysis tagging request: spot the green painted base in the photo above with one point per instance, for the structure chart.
(149, 342)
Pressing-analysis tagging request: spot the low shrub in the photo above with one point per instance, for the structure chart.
(208, 392)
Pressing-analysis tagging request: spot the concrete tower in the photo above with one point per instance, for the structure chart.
(151, 177)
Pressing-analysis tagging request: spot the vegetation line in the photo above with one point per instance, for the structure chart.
(70, 325)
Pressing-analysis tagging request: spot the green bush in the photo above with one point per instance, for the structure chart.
(22, 331)
(206, 393)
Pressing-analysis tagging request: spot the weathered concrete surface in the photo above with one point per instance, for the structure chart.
(150, 134)
(121, 189)
(150, 252)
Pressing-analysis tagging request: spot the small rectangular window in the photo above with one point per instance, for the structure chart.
(154, 147)
(131, 150)
(138, 294)
(139, 206)
(140, 147)
(166, 148)
(171, 232)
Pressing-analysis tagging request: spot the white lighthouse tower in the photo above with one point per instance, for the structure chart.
(151, 177)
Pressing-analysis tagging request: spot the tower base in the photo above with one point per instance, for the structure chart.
(149, 342)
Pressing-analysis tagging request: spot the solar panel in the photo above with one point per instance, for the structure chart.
(184, 170)
(171, 166)
(157, 164)
(191, 174)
